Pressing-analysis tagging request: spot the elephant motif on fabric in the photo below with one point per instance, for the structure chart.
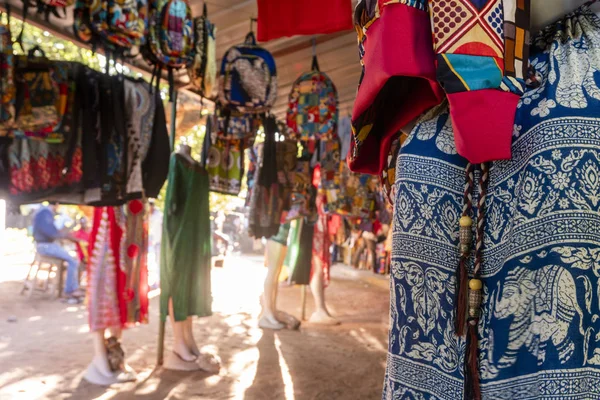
(543, 306)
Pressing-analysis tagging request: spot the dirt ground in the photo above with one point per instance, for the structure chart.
(45, 351)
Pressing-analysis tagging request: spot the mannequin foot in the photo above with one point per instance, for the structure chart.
(269, 322)
(184, 352)
(99, 374)
(210, 363)
(127, 374)
(101, 365)
(290, 322)
(174, 362)
(322, 317)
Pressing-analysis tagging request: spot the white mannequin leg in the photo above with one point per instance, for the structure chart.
(188, 336)
(275, 255)
(206, 361)
(180, 346)
(317, 287)
(99, 372)
(290, 321)
(181, 358)
(100, 360)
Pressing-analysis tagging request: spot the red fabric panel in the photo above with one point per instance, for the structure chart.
(398, 44)
(483, 122)
(279, 18)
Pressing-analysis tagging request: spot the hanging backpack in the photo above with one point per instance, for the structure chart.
(170, 43)
(117, 26)
(313, 105)
(203, 72)
(248, 80)
(7, 86)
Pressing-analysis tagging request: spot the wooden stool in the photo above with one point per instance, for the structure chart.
(48, 264)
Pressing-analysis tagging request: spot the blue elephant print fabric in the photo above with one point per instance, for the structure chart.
(539, 334)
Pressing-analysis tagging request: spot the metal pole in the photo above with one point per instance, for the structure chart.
(173, 119)
(303, 316)
(161, 342)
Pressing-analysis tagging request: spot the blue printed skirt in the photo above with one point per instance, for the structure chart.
(539, 334)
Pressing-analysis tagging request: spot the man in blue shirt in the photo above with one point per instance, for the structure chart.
(45, 235)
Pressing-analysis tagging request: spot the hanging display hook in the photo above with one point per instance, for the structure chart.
(315, 63)
(252, 21)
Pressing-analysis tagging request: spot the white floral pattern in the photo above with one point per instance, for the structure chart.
(540, 326)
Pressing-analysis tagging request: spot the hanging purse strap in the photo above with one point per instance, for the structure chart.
(315, 62)
(250, 39)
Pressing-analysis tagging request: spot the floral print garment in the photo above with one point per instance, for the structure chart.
(541, 308)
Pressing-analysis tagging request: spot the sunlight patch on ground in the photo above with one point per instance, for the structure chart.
(31, 388)
(243, 370)
(285, 372)
(367, 340)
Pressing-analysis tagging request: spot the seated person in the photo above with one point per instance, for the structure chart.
(83, 237)
(45, 235)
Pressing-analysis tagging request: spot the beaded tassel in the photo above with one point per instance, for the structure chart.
(472, 383)
(465, 240)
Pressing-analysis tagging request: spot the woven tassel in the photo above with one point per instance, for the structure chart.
(465, 235)
(466, 239)
(472, 386)
(461, 298)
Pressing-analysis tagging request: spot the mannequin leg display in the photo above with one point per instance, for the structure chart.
(317, 287)
(182, 358)
(275, 255)
(188, 336)
(206, 361)
(99, 371)
(289, 320)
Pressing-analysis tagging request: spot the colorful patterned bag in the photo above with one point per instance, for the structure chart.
(171, 37)
(7, 86)
(302, 191)
(203, 72)
(40, 99)
(224, 161)
(236, 125)
(115, 25)
(287, 156)
(47, 7)
(357, 194)
(313, 106)
(248, 80)
(329, 160)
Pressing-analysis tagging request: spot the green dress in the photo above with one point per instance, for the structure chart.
(186, 242)
(299, 255)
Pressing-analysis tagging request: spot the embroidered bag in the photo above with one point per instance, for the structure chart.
(7, 86)
(170, 41)
(40, 99)
(329, 160)
(287, 155)
(224, 161)
(313, 105)
(203, 72)
(357, 193)
(115, 25)
(248, 80)
(236, 125)
(301, 192)
(47, 7)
